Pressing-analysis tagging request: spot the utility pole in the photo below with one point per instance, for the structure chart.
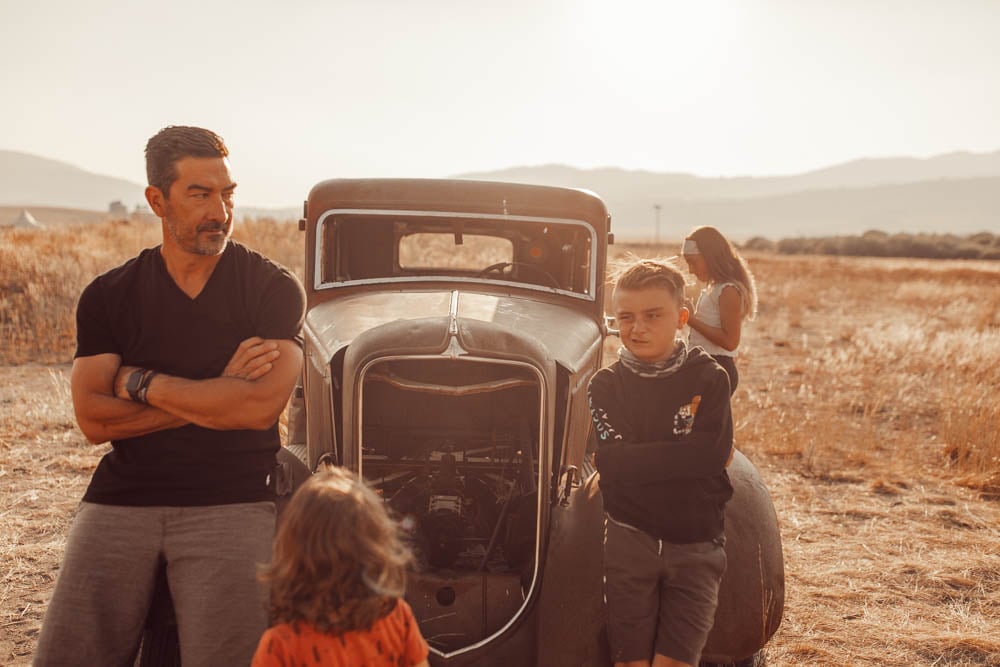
(656, 207)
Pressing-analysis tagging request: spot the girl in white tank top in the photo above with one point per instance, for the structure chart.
(729, 296)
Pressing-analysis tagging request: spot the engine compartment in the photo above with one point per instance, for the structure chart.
(452, 446)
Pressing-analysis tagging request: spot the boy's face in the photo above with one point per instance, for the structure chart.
(648, 319)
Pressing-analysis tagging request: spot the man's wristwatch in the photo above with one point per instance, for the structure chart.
(138, 384)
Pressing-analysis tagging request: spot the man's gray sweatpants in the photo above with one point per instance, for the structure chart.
(106, 582)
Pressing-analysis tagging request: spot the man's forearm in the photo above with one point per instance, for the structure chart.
(250, 394)
(222, 403)
(109, 418)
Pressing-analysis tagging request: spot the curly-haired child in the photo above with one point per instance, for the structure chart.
(337, 578)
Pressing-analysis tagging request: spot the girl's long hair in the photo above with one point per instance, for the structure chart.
(338, 562)
(725, 265)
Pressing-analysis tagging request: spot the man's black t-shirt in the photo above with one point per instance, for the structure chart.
(137, 311)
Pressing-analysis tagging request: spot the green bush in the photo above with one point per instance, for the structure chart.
(875, 243)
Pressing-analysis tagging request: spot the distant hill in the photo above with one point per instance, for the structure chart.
(279, 214)
(965, 206)
(616, 183)
(956, 192)
(28, 180)
(36, 183)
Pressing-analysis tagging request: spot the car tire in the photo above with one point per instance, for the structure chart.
(296, 473)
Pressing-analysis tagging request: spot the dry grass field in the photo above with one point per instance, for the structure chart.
(867, 400)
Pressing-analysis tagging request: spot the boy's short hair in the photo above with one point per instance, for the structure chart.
(174, 143)
(634, 273)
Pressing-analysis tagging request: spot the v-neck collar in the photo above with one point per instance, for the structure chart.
(162, 264)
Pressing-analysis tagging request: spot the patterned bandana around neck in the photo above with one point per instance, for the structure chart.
(654, 369)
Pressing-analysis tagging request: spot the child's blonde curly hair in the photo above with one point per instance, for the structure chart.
(338, 562)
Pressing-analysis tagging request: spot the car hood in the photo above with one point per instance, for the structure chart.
(566, 334)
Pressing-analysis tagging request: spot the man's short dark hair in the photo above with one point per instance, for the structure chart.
(174, 143)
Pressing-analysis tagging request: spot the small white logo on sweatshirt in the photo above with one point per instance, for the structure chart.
(684, 418)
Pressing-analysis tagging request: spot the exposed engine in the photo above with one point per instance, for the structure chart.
(461, 512)
(453, 445)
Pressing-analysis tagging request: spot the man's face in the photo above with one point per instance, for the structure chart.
(199, 211)
(648, 319)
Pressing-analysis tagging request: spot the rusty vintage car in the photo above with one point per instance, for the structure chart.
(452, 328)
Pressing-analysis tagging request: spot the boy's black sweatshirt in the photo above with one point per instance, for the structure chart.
(663, 445)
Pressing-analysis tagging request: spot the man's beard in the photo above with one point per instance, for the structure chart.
(197, 244)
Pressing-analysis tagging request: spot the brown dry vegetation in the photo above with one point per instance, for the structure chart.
(866, 399)
(43, 272)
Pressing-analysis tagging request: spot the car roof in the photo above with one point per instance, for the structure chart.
(458, 195)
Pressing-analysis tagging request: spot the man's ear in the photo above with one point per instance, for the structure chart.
(684, 315)
(157, 201)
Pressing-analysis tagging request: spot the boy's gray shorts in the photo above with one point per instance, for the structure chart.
(660, 597)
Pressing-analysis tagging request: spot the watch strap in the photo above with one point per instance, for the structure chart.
(137, 384)
(140, 393)
(133, 383)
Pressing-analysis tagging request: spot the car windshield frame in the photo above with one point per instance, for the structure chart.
(335, 216)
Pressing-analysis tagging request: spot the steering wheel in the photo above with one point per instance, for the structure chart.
(500, 269)
(497, 268)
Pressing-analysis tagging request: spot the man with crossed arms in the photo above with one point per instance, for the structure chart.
(186, 356)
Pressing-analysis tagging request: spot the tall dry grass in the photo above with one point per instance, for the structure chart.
(42, 273)
(880, 359)
(867, 399)
(866, 393)
(45, 463)
(874, 362)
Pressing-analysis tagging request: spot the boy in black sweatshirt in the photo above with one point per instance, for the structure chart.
(665, 437)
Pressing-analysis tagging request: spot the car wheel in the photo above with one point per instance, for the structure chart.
(295, 473)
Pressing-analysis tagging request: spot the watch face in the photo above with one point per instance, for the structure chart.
(132, 384)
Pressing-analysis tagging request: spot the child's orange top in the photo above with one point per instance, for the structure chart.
(394, 640)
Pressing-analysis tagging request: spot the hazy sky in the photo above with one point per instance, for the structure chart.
(308, 90)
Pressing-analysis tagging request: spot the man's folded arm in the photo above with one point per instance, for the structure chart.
(100, 415)
(251, 393)
(230, 403)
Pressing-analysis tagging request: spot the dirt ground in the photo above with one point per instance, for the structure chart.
(880, 570)
(867, 401)
(891, 557)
